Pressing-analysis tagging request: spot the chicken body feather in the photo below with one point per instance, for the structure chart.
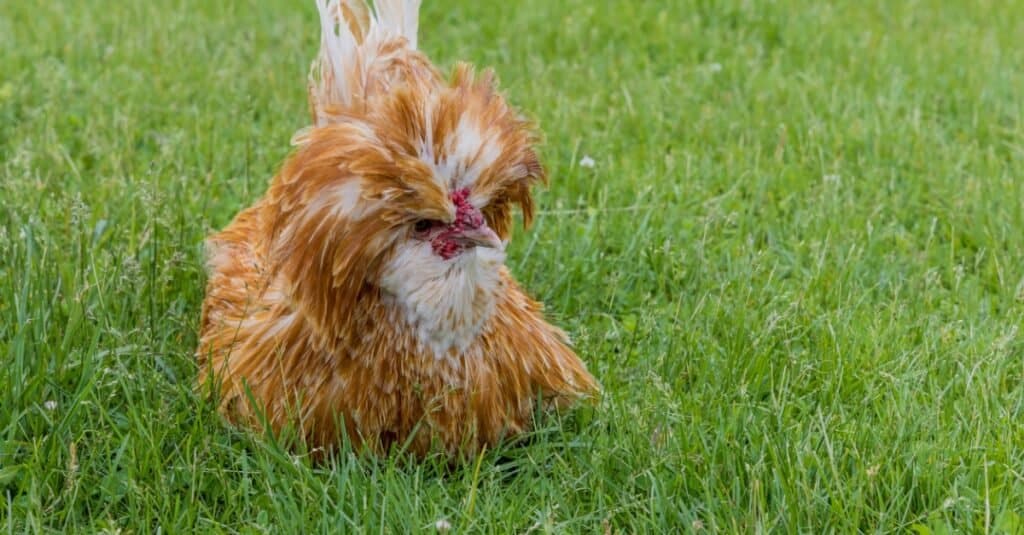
(365, 295)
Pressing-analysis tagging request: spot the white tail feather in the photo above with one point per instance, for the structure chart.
(400, 17)
(347, 47)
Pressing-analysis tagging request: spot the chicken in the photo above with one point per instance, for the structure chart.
(365, 297)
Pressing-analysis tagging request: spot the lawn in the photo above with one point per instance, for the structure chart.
(796, 265)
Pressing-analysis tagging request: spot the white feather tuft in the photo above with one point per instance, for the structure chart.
(348, 47)
(446, 302)
(399, 17)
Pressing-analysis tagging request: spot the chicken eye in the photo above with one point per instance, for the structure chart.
(423, 225)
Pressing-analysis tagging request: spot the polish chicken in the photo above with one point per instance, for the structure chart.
(365, 295)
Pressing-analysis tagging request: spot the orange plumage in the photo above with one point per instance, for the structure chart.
(367, 289)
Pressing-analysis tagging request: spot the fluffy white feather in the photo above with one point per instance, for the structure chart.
(447, 302)
(399, 17)
(339, 71)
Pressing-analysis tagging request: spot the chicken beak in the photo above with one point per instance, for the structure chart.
(481, 236)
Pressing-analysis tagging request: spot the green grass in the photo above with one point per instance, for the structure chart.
(797, 266)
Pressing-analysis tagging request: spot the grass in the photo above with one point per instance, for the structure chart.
(797, 267)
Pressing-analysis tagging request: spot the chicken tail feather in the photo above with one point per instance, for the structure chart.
(351, 41)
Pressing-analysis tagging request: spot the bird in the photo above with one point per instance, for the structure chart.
(364, 298)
